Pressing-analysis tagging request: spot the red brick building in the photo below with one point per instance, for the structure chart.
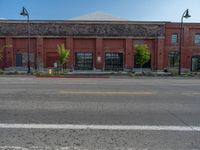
(103, 45)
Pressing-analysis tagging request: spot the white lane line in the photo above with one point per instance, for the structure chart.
(100, 127)
(191, 93)
(187, 84)
(47, 83)
(14, 148)
(53, 147)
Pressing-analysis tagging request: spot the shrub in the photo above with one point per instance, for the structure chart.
(1, 71)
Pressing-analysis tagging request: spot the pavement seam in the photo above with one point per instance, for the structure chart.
(179, 119)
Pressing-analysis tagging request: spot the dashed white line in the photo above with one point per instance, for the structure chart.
(190, 93)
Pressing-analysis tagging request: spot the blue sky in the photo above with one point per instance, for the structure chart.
(136, 10)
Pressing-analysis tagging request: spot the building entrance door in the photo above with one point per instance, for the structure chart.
(195, 63)
(113, 61)
(18, 60)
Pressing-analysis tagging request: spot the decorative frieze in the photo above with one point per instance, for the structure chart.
(51, 28)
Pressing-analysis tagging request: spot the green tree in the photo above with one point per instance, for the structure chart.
(142, 54)
(63, 55)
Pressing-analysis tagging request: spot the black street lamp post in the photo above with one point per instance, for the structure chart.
(185, 15)
(25, 13)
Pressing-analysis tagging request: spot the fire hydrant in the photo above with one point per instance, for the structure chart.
(50, 71)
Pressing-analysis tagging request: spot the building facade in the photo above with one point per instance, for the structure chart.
(101, 45)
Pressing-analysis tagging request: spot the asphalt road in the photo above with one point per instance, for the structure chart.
(157, 103)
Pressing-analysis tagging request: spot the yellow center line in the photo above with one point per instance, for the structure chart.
(105, 93)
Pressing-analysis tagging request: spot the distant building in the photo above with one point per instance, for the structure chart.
(97, 43)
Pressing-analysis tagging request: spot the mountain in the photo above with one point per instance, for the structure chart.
(98, 16)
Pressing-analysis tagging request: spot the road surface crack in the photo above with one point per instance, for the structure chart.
(181, 120)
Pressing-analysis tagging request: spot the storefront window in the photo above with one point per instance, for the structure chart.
(84, 61)
(113, 61)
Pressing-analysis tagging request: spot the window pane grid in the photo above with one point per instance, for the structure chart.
(84, 61)
(113, 61)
